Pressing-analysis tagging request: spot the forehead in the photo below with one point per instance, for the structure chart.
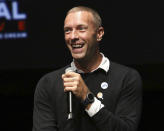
(80, 17)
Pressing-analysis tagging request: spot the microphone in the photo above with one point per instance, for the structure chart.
(70, 113)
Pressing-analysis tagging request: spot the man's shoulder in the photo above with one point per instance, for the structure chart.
(55, 74)
(50, 81)
(118, 66)
(119, 69)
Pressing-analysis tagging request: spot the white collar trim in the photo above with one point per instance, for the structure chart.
(105, 64)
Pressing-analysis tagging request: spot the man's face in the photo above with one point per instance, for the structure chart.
(81, 35)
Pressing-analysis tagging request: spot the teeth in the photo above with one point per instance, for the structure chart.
(77, 46)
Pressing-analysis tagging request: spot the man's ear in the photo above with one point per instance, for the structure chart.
(100, 33)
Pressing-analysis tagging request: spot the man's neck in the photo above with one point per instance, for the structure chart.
(90, 64)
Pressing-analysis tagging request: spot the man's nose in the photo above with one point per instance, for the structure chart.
(74, 35)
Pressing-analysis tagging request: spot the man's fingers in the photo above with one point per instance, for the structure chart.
(71, 74)
(69, 79)
(70, 84)
(70, 89)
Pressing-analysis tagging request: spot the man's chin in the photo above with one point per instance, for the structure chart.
(78, 56)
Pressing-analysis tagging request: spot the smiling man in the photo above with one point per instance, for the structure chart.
(106, 96)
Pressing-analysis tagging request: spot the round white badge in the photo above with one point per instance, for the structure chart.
(104, 85)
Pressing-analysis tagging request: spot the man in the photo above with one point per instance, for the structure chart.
(106, 95)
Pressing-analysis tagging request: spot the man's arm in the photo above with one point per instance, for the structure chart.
(127, 114)
(43, 117)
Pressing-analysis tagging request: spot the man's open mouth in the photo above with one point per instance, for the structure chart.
(74, 46)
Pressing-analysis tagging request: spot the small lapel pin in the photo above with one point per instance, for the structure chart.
(104, 85)
(100, 95)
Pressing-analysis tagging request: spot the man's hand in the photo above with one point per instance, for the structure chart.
(73, 82)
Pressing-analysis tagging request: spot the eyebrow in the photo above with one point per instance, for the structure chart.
(65, 27)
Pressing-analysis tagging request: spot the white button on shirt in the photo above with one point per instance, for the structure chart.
(96, 105)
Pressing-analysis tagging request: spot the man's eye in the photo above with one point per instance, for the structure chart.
(67, 31)
(82, 28)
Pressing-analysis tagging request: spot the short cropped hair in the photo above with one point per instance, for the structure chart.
(96, 17)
